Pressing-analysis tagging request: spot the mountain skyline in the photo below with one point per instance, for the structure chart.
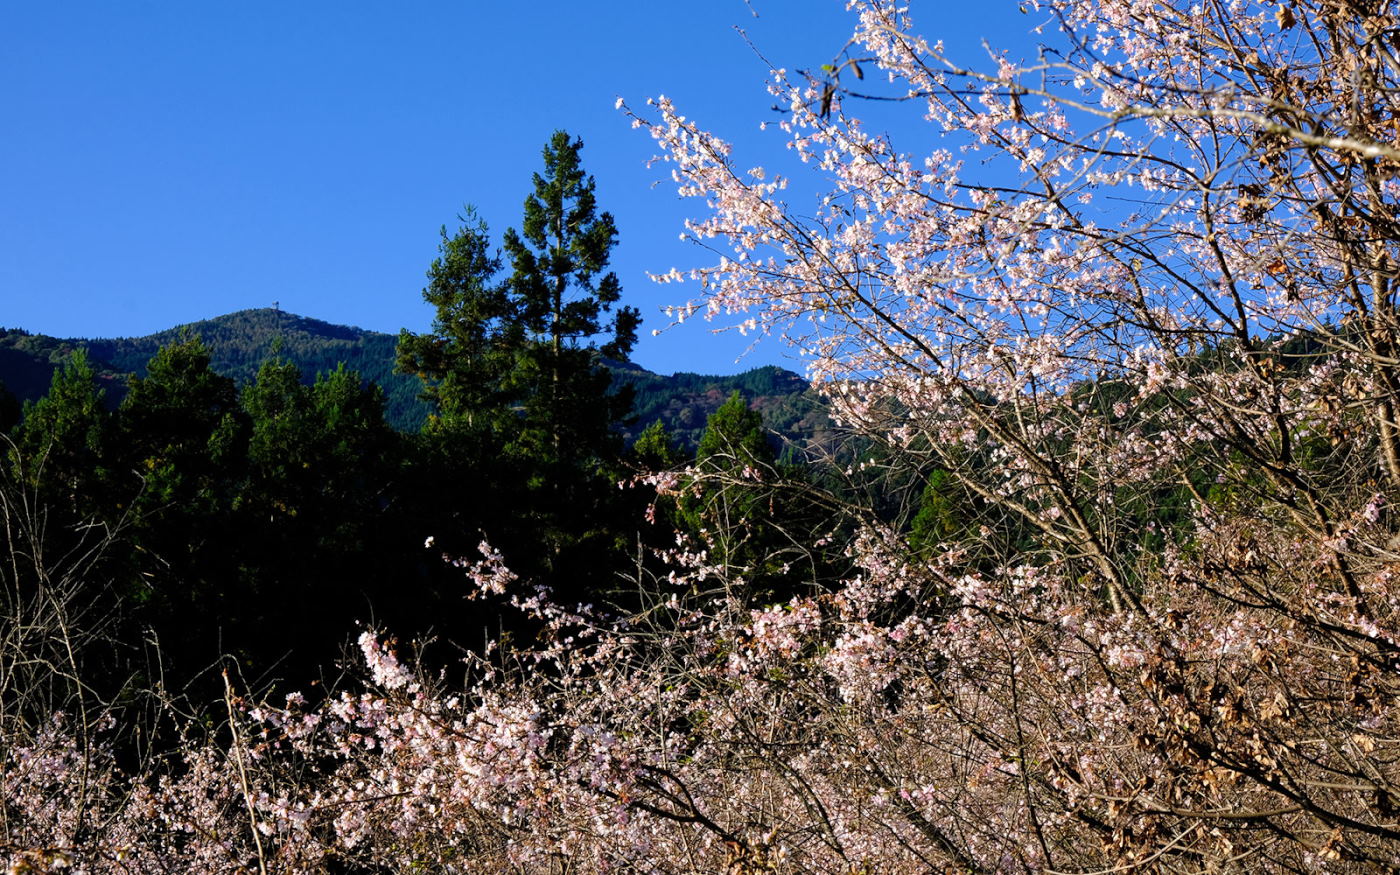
(240, 342)
(163, 162)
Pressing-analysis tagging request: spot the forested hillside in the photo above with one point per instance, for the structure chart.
(240, 486)
(239, 343)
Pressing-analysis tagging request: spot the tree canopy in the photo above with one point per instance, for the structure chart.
(515, 368)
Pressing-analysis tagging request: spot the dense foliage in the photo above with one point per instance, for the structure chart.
(259, 519)
(514, 369)
(239, 343)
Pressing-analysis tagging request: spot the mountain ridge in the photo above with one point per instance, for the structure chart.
(241, 341)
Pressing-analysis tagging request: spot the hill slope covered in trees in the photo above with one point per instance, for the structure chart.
(240, 342)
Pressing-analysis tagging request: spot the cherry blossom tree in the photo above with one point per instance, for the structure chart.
(1137, 292)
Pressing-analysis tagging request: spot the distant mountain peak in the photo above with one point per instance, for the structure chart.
(272, 321)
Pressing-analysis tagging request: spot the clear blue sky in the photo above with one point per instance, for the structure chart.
(164, 162)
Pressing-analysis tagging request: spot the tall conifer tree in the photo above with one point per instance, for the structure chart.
(61, 444)
(463, 361)
(564, 301)
(515, 368)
